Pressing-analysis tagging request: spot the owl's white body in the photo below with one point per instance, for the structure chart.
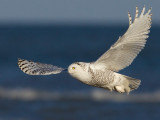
(100, 77)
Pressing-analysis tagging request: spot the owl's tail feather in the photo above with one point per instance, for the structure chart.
(133, 83)
(127, 85)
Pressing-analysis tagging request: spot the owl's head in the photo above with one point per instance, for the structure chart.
(79, 70)
(76, 67)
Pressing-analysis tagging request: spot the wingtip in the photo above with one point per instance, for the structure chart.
(150, 8)
(19, 59)
(136, 14)
(130, 18)
(149, 11)
(144, 6)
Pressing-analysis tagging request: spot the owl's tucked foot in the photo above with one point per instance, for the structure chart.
(120, 89)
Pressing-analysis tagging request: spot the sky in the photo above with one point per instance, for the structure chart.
(73, 11)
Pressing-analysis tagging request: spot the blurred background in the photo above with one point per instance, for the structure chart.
(60, 32)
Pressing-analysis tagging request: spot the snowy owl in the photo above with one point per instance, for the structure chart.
(103, 72)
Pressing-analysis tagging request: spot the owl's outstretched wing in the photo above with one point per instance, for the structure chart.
(125, 50)
(36, 68)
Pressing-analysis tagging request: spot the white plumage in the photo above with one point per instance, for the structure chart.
(103, 72)
(124, 51)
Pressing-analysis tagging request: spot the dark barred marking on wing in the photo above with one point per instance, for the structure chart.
(36, 68)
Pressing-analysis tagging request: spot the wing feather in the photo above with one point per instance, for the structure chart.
(36, 68)
(125, 50)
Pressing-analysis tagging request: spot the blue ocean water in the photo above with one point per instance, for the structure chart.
(59, 97)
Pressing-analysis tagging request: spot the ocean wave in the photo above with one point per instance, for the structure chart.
(29, 94)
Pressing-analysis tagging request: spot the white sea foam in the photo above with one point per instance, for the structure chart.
(29, 94)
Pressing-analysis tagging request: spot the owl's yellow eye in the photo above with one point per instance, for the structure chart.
(73, 68)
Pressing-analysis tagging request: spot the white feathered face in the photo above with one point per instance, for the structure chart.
(74, 68)
(79, 71)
